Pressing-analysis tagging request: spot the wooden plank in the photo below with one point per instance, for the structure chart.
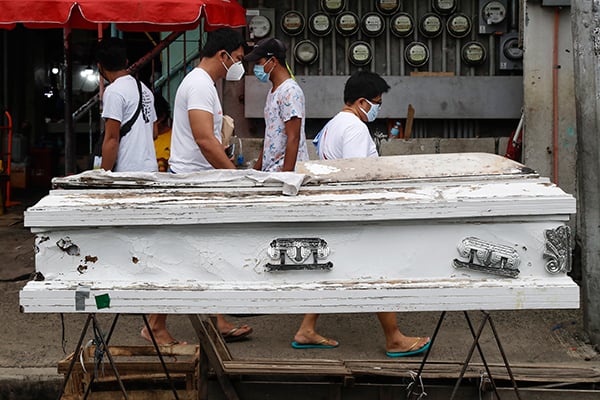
(537, 372)
(42, 298)
(131, 351)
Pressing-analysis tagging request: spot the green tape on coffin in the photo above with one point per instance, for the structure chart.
(102, 301)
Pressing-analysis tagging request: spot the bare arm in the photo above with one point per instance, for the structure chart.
(110, 146)
(202, 129)
(292, 130)
(258, 163)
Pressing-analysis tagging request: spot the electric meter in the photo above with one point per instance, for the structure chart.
(416, 54)
(372, 24)
(494, 12)
(511, 49)
(360, 53)
(320, 24)
(459, 25)
(402, 25)
(333, 6)
(292, 23)
(473, 53)
(347, 23)
(511, 55)
(444, 6)
(431, 25)
(259, 26)
(387, 6)
(306, 52)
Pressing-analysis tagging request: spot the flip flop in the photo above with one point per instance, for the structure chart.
(409, 353)
(230, 335)
(319, 345)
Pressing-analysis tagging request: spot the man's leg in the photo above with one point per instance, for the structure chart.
(307, 333)
(395, 341)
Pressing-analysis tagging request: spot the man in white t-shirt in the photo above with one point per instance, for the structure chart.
(197, 112)
(196, 143)
(347, 136)
(132, 150)
(285, 141)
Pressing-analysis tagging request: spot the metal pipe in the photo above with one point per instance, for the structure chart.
(388, 49)
(555, 68)
(430, 46)
(321, 61)
(444, 56)
(402, 67)
(68, 91)
(373, 55)
(346, 62)
(457, 56)
(491, 52)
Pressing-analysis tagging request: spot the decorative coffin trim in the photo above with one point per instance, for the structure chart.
(558, 249)
(488, 257)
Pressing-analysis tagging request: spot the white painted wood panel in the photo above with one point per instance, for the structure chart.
(393, 227)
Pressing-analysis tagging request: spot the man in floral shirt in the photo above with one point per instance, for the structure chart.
(285, 141)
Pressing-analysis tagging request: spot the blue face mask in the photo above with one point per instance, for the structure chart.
(373, 111)
(259, 72)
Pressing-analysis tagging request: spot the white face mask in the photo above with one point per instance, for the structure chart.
(235, 72)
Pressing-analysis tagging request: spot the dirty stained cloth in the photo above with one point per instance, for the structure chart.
(289, 182)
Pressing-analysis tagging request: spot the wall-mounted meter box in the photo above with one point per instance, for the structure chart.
(493, 16)
(259, 23)
(511, 55)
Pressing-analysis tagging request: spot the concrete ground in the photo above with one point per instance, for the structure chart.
(32, 344)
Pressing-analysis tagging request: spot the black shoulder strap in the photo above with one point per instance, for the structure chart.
(126, 127)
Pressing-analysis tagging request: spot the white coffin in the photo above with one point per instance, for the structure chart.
(404, 233)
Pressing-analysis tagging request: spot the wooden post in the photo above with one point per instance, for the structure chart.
(585, 22)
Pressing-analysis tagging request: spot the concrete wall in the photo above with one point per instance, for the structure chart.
(250, 147)
(537, 81)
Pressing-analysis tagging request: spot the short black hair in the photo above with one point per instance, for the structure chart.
(111, 53)
(364, 84)
(222, 39)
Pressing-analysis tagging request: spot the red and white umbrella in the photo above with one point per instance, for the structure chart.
(129, 15)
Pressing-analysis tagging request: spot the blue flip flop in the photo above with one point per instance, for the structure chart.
(408, 353)
(319, 345)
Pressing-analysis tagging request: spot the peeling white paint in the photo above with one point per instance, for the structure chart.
(392, 244)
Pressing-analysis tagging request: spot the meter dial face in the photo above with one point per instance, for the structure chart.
(402, 25)
(387, 6)
(306, 52)
(259, 26)
(347, 23)
(459, 25)
(494, 12)
(320, 24)
(372, 24)
(360, 53)
(444, 6)
(511, 49)
(431, 25)
(333, 6)
(416, 54)
(292, 23)
(473, 53)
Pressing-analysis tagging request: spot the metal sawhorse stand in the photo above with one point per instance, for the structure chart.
(211, 345)
(487, 319)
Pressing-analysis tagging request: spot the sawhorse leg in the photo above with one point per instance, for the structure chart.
(476, 335)
(209, 339)
(102, 348)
